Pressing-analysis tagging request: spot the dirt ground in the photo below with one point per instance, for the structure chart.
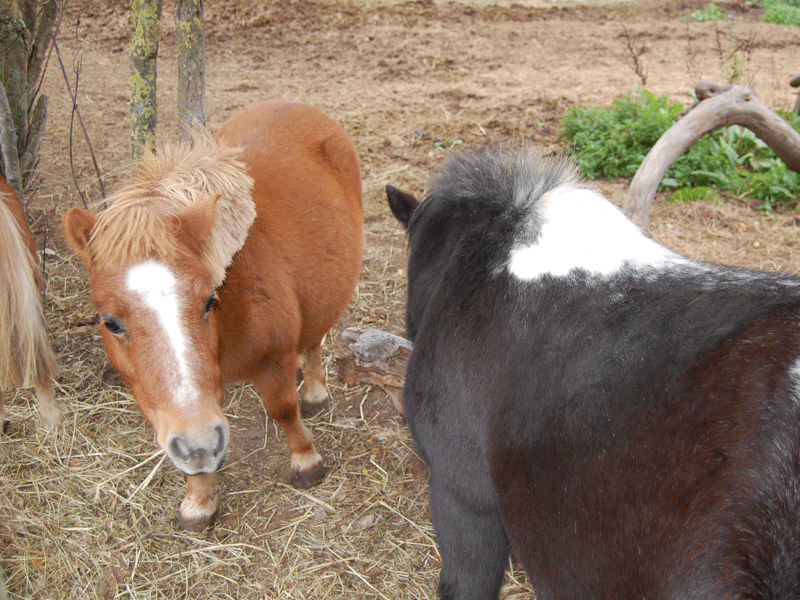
(91, 511)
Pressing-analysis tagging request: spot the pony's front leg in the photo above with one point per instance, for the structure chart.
(198, 505)
(277, 386)
(49, 411)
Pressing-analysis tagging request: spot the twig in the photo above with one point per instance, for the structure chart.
(77, 113)
(638, 68)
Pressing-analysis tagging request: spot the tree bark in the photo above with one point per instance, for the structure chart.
(143, 74)
(191, 65)
(26, 27)
(736, 105)
(16, 40)
(8, 146)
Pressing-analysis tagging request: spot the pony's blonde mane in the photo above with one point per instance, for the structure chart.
(139, 222)
(26, 357)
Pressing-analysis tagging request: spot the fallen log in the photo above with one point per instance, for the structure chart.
(719, 105)
(378, 358)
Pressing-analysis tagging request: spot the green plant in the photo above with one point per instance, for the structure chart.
(446, 144)
(711, 13)
(783, 12)
(768, 3)
(612, 142)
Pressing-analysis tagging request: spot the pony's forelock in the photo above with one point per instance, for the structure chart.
(139, 221)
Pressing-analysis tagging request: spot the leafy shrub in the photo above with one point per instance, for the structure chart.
(783, 12)
(612, 142)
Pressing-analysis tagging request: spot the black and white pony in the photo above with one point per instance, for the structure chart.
(624, 420)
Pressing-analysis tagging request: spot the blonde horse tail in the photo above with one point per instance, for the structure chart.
(26, 356)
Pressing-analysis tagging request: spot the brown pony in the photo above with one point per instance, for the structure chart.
(223, 262)
(26, 357)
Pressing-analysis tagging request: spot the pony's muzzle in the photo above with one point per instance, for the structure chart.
(198, 452)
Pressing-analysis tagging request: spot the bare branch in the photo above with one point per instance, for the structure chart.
(77, 114)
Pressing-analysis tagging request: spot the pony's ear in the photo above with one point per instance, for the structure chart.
(78, 225)
(402, 204)
(196, 220)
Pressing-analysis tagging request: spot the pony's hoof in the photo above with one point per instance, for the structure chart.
(194, 524)
(310, 409)
(307, 479)
(314, 397)
(51, 417)
(196, 517)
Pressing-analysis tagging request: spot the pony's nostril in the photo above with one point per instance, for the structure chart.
(179, 449)
(198, 452)
(222, 442)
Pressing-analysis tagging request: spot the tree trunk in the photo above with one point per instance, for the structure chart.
(25, 34)
(191, 65)
(725, 105)
(8, 146)
(143, 52)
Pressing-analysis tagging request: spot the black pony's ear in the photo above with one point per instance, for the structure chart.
(402, 204)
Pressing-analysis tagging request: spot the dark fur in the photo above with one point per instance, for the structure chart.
(626, 437)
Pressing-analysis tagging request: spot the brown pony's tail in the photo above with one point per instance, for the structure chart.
(26, 356)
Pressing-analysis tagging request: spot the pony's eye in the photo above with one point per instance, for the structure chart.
(113, 324)
(209, 303)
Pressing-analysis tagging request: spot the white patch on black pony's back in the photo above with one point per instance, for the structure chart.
(578, 229)
(531, 216)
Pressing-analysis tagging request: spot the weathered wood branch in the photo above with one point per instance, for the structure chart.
(795, 82)
(378, 358)
(723, 105)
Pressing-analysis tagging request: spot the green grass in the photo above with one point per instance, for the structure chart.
(613, 141)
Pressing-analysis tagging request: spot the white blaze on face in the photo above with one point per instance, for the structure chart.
(158, 289)
(582, 230)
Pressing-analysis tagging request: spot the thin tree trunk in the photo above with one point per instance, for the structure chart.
(191, 65)
(143, 52)
(8, 145)
(15, 51)
(26, 27)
